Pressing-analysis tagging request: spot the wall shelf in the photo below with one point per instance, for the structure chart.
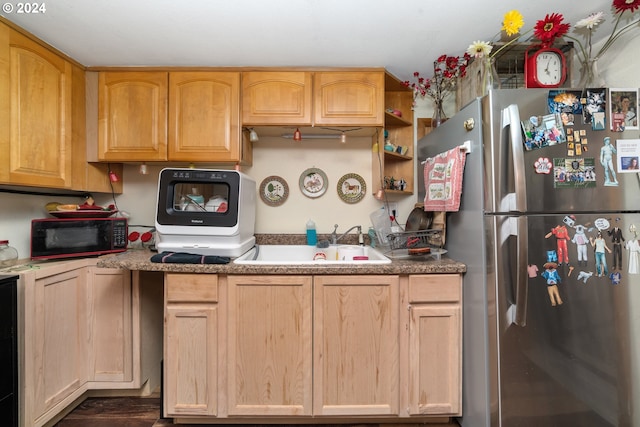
(399, 130)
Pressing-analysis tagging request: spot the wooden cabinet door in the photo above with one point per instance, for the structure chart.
(356, 362)
(39, 148)
(269, 346)
(204, 116)
(435, 340)
(191, 359)
(110, 314)
(348, 98)
(276, 98)
(132, 116)
(55, 371)
(191, 345)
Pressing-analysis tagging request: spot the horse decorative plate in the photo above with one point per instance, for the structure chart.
(274, 190)
(351, 188)
(313, 182)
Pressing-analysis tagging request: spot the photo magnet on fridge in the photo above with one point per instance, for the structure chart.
(574, 172)
(623, 109)
(595, 101)
(543, 131)
(565, 101)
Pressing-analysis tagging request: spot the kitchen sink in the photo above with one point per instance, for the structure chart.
(304, 255)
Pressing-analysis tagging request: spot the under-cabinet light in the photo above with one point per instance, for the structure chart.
(310, 136)
(253, 135)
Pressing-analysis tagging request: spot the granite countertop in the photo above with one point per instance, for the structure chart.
(140, 259)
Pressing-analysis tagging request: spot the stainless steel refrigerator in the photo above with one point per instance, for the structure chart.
(543, 346)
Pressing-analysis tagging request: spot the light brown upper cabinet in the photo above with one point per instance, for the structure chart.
(352, 98)
(204, 116)
(170, 116)
(132, 116)
(304, 98)
(276, 98)
(42, 119)
(35, 113)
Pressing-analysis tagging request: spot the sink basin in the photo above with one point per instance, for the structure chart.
(303, 255)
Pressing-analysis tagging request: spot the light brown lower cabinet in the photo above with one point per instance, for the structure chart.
(191, 339)
(77, 329)
(111, 338)
(435, 344)
(269, 345)
(296, 347)
(54, 359)
(356, 352)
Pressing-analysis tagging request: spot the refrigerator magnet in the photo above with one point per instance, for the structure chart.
(543, 166)
(615, 278)
(629, 158)
(574, 172)
(553, 278)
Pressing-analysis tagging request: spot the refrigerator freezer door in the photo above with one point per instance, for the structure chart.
(506, 160)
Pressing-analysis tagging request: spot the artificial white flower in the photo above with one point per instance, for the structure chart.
(479, 49)
(590, 21)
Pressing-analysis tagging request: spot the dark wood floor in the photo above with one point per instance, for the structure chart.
(137, 412)
(114, 412)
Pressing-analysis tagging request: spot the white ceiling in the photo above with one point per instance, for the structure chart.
(401, 35)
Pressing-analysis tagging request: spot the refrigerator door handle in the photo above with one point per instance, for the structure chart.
(511, 118)
(519, 317)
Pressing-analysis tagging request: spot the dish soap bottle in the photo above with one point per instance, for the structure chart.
(8, 254)
(312, 237)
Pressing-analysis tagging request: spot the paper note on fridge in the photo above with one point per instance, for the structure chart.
(628, 151)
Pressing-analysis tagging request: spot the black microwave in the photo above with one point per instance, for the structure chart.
(54, 238)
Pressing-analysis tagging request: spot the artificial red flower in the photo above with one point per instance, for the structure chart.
(622, 5)
(446, 71)
(551, 27)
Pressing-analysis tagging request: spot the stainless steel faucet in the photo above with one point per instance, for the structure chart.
(335, 238)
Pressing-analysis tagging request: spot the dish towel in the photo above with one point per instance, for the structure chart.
(443, 180)
(186, 258)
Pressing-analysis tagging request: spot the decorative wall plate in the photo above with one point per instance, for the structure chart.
(313, 182)
(274, 190)
(351, 188)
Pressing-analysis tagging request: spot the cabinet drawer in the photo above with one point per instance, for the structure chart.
(191, 287)
(435, 288)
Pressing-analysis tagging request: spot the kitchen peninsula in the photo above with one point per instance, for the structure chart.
(309, 344)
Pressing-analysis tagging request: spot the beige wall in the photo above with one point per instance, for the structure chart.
(287, 159)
